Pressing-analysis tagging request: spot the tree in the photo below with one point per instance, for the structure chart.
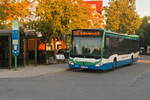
(122, 16)
(2, 14)
(144, 31)
(97, 20)
(11, 10)
(58, 17)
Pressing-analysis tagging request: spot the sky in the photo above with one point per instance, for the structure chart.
(142, 7)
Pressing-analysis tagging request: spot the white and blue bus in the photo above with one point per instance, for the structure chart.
(99, 49)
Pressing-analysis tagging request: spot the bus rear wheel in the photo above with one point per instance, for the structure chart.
(114, 64)
(132, 60)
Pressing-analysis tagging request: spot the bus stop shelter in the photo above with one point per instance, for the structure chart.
(5, 49)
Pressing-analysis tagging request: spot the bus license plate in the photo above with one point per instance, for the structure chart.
(84, 67)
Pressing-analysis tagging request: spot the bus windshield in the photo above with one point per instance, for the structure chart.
(86, 47)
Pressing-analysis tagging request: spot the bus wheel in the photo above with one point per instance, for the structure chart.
(114, 64)
(132, 60)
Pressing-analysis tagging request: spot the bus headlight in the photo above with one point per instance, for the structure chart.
(70, 62)
(98, 64)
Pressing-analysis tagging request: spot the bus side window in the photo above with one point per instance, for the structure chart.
(107, 47)
(107, 43)
(115, 45)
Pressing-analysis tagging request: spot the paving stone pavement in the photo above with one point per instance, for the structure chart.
(32, 71)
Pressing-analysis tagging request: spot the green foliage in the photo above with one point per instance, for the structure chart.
(2, 15)
(58, 17)
(122, 17)
(144, 30)
(12, 10)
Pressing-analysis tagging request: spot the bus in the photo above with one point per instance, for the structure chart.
(99, 49)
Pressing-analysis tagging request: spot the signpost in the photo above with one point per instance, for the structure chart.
(15, 40)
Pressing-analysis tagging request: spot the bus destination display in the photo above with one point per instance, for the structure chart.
(86, 33)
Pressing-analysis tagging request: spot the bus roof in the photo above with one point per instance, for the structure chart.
(126, 36)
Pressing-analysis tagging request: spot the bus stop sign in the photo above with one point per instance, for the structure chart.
(15, 38)
(15, 42)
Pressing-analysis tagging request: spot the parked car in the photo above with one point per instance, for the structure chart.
(142, 51)
(62, 55)
(148, 50)
(65, 52)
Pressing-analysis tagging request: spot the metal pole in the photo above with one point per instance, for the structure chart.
(10, 54)
(24, 60)
(15, 63)
(35, 52)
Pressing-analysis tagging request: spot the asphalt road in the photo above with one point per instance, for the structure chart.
(127, 83)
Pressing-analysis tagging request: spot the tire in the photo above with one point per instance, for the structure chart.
(114, 64)
(51, 60)
(132, 60)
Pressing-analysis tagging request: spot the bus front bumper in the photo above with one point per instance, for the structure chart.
(92, 67)
(76, 66)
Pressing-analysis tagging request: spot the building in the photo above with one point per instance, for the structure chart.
(95, 4)
(5, 49)
(98, 19)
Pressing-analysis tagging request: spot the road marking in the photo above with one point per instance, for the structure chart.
(144, 61)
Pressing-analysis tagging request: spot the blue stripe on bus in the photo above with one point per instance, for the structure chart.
(106, 66)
